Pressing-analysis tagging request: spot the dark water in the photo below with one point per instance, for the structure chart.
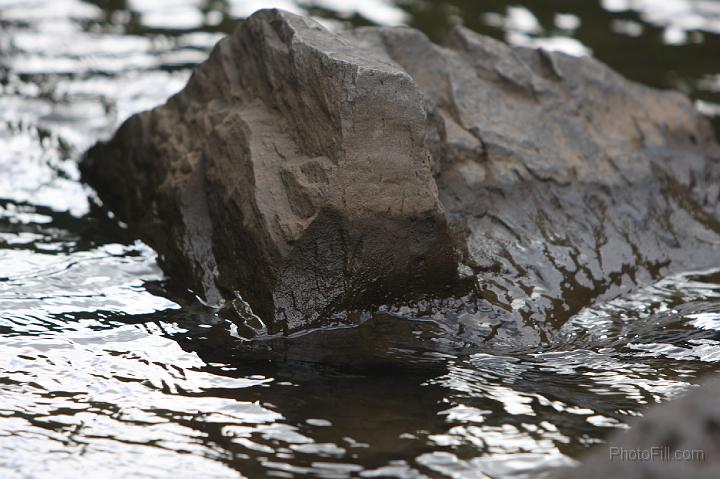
(106, 373)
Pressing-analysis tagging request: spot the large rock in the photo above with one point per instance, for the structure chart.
(314, 173)
(293, 168)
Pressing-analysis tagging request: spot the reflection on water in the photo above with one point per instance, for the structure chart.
(104, 372)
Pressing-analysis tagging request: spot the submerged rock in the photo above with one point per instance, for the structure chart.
(314, 173)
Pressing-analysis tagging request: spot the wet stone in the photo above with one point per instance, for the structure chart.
(316, 174)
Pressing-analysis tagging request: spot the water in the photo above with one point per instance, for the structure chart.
(106, 371)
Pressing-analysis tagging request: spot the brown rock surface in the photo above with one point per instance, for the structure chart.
(313, 173)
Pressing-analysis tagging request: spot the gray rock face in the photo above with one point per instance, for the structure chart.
(315, 173)
(676, 440)
(571, 183)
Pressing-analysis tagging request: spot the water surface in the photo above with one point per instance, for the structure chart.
(106, 371)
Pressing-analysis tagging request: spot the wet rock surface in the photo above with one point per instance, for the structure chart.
(571, 183)
(315, 173)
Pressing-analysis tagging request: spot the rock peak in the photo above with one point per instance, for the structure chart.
(311, 165)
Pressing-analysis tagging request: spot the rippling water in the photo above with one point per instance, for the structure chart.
(105, 372)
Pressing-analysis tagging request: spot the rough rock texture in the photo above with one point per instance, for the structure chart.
(572, 184)
(294, 166)
(314, 172)
(690, 423)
